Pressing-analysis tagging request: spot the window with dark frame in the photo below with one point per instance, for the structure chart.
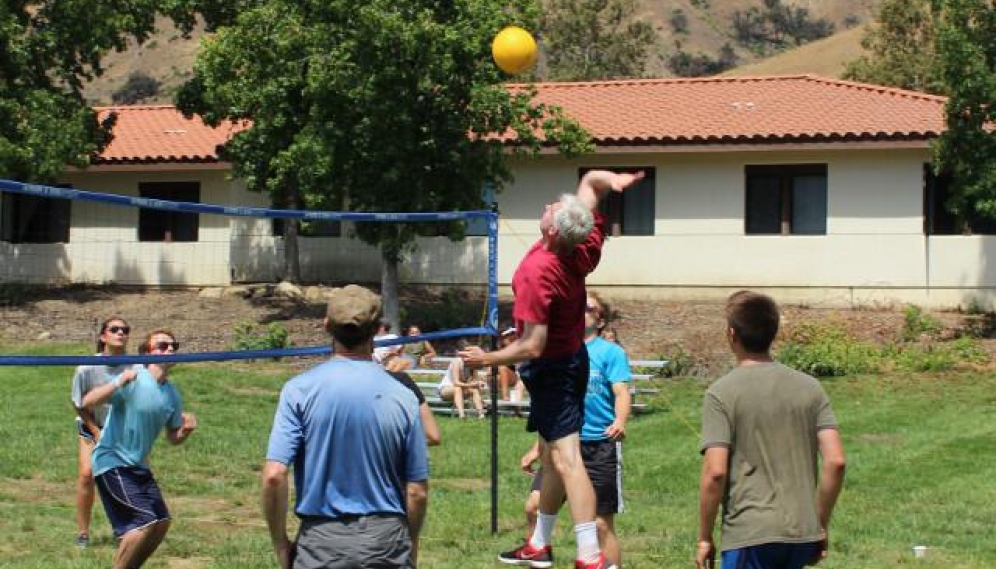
(938, 220)
(630, 212)
(34, 219)
(169, 226)
(785, 199)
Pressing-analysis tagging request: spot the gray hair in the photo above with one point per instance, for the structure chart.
(573, 220)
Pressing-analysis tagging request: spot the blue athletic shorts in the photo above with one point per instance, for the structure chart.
(556, 394)
(772, 556)
(131, 499)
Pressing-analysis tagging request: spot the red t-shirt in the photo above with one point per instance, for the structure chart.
(549, 289)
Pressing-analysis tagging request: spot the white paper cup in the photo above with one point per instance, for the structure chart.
(919, 551)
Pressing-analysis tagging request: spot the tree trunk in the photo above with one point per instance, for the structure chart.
(389, 290)
(292, 261)
(292, 258)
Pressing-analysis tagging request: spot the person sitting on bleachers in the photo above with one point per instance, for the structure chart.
(458, 382)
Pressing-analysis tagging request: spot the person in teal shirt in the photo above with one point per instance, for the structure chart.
(606, 411)
(142, 403)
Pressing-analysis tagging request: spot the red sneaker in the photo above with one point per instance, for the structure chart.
(602, 563)
(528, 556)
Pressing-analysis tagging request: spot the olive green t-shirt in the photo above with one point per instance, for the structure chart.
(768, 415)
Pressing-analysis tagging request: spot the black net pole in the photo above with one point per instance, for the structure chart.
(494, 441)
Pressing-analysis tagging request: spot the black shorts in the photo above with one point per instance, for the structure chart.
(556, 394)
(603, 462)
(131, 499)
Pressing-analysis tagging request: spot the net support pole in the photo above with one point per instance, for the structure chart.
(493, 323)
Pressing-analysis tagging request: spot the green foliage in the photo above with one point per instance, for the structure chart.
(387, 105)
(901, 49)
(594, 39)
(681, 363)
(827, 350)
(917, 324)
(966, 49)
(138, 87)
(937, 356)
(50, 49)
(679, 21)
(684, 64)
(777, 26)
(249, 336)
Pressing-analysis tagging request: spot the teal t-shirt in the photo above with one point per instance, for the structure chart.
(607, 364)
(138, 413)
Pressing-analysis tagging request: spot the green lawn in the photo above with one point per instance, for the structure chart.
(920, 452)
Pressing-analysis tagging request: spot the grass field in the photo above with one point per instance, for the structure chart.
(920, 451)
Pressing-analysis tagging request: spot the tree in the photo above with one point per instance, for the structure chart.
(389, 105)
(966, 51)
(138, 87)
(902, 50)
(594, 39)
(48, 50)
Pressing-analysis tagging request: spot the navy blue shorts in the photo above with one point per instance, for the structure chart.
(556, 394)
(131, 499)
(772, 556)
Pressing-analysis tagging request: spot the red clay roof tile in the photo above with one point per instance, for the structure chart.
(718, 110)
(157, 134)
(745, 109)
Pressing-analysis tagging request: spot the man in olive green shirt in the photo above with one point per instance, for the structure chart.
(763, 425)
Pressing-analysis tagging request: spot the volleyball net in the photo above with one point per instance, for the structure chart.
(168, 236)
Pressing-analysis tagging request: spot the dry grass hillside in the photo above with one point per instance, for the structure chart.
(826, 57)
(168, 57)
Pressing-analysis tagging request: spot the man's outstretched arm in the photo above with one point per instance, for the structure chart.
(596, 183)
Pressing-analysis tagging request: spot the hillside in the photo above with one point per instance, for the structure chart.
(168, 57)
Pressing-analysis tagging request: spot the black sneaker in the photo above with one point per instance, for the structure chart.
(82, 541)
(528, 556)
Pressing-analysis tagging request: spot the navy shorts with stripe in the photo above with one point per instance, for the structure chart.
(556, 394)
(131, 499)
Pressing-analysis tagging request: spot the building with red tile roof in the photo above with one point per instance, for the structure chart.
(814, 189)
(651, 113)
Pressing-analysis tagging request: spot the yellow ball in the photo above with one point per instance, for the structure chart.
(514, 50)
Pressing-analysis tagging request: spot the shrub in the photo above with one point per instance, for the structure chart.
(249, 336)
(138, 87)
(828, 351)
(916, 324)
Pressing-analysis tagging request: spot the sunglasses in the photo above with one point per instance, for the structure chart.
(163, 346)
(591, 309)
(122, 329)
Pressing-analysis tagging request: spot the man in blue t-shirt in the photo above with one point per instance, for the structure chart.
(355, 439)
(143, 402)
(606, 410)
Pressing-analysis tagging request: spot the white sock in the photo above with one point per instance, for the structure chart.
(543, 533)
(586, 535)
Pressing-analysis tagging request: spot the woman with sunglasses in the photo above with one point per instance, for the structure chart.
(112, 340)
(143, 402)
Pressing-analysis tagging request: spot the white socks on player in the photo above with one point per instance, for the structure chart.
(587, 538)
(544, 530)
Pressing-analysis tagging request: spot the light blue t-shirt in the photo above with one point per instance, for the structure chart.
(138, 413)
(354, 436)
(607, 365)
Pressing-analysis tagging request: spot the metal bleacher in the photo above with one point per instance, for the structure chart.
(428, 379)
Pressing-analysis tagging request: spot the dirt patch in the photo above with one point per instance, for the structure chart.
(648, 330)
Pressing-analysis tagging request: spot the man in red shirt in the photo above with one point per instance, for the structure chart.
(549, 318)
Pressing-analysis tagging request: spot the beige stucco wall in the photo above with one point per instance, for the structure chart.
(103, 240)
(874, 251)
